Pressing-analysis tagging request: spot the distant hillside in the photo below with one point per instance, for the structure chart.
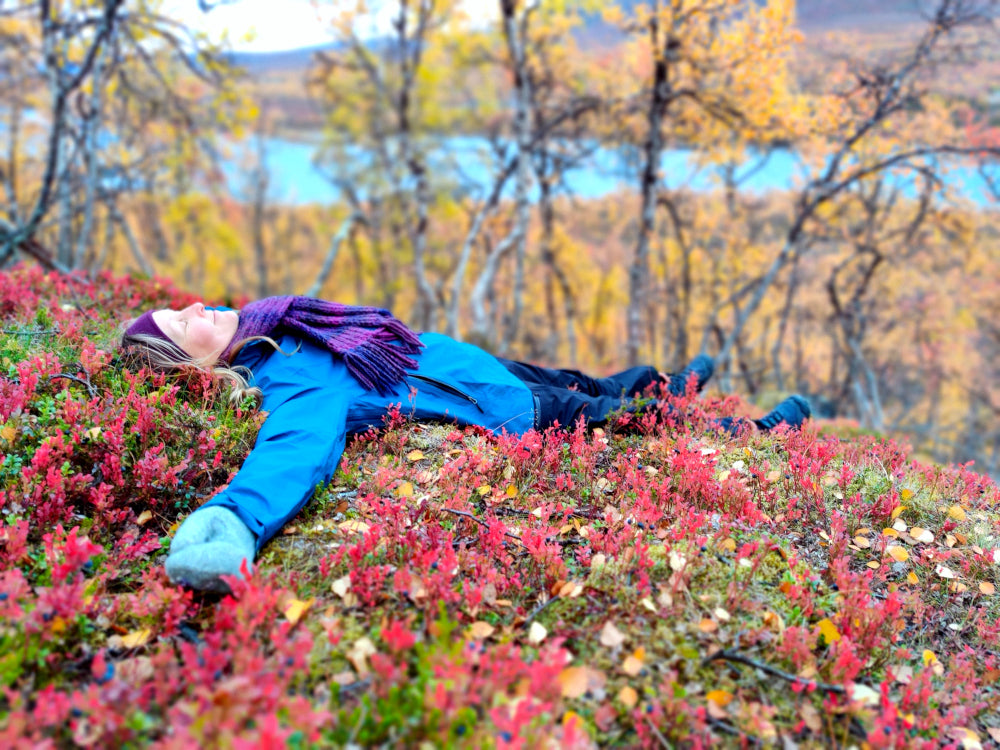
(877, 24)
(814, 16)
(277, 62)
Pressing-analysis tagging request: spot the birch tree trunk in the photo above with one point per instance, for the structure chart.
(659, 98)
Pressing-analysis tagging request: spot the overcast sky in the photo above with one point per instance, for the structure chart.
(277, 24)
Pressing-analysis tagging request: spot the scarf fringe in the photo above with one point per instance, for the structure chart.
(374, 345)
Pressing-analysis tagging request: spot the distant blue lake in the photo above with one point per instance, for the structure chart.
(295, 180)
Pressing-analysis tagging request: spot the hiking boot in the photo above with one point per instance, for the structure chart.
(793, 411)
(731, 425)
(701, 367)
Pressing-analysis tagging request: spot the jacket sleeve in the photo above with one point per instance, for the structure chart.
(298, 446)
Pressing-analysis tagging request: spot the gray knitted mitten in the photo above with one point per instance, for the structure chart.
(211, 542)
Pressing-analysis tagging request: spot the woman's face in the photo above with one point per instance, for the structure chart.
(200, 332)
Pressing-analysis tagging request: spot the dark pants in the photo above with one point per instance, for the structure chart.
(593, 398)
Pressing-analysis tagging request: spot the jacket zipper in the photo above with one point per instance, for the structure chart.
(447, 387)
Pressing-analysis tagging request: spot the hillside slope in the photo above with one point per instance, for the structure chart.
(655, 584)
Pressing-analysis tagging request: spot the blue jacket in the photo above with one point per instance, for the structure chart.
(313, 403)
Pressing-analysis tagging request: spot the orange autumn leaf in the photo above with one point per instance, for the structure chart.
(628, 696)
(719, 697)
(573, 682)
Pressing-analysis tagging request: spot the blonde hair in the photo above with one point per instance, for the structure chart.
(143, 350)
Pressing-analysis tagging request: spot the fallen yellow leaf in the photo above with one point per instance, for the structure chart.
(905, 494)
(511, 490)
(480, 630)
(414, 455)
(944, 571)
(359, 527)
(484, 490)
(728, 545)
(897, 553)
(632, 664)
(921, 535)
(828, 630)
(968, 738)
(956, 512)
(890, 532)
(144, 517)
(341, 586)
(708, 626)
(296, 609)
(359, 653)
(811, 717)
(773, 475)
(611, 636)
(862, 542)
(985, 587)
(137, 638)
(873, 565)
(774, 621)
(911, 577)
(404, 490)
(537, 633)
(864, 694)
(897, 511)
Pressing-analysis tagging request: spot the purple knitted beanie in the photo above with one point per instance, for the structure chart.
(145, 325)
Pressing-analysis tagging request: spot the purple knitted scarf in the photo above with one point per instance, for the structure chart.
(372, 343)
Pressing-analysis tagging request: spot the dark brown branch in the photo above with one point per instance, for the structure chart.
(733, 656)
(86, 383)
(481, 522)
